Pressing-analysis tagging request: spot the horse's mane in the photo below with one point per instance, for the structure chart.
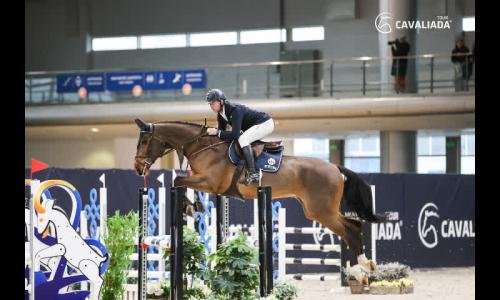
(178, 122)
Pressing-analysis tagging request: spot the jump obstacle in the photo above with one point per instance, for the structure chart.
(174, 241)
(222, 211)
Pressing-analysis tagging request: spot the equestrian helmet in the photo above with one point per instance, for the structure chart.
(215, 94)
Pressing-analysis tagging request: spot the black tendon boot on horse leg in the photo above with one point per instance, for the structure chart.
(252, 175)
(353, 239)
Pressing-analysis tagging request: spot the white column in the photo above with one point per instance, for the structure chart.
(398, 10)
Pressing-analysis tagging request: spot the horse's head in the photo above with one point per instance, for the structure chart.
(150, 146)
(44, 213)
(156, 140)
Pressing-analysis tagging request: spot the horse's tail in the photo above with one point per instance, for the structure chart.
(358, 197)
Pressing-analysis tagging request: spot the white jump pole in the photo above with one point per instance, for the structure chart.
(162, 194)
(213, 229)
(103, 207)
(281, 243)
(373, 227)
(34, 185)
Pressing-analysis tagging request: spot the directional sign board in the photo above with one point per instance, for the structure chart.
(125, 81)
(70, 83)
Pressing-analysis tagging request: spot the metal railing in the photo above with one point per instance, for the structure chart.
(349, 77)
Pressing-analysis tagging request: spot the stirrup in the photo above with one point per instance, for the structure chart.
(251, 177)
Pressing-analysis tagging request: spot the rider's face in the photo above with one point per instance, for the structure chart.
(216, 106)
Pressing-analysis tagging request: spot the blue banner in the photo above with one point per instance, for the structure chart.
(174, 80)
(70, 83)
(196, 78)
(125, 81)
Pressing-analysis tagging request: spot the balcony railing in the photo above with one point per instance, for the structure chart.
(339, 78)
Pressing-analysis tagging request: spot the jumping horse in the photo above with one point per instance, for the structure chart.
(318, 185)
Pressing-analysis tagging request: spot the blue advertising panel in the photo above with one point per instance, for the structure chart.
(163, 80)
(174, 80)
(432, 216)
(70, 83)
(124, 81)
(432, 219)
(196, 78)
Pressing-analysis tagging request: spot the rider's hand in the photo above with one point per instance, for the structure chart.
(212, 131)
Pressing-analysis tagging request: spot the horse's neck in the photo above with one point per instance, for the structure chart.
(61, 222)
(179, 134)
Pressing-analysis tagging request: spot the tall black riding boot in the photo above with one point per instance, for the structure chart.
(252, 175)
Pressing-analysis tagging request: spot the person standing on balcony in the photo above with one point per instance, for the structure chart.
(247, 126)
(462, 61)
(400, 49)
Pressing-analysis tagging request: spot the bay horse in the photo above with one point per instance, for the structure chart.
(317, 184)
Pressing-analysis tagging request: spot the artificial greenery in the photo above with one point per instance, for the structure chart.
(235, 274)
(158, 290)
(389, 271)
(402, 282)
(283, 290)
(120, 243)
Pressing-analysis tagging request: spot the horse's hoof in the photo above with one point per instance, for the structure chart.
(364, 280)
(358, 271)
(199, 206)
(189, 211)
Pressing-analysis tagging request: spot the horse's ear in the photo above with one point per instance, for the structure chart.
(142, 125)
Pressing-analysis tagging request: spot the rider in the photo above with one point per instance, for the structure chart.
(247, 126)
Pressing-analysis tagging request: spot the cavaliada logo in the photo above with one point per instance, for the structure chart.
(386, 23)
(431, 228)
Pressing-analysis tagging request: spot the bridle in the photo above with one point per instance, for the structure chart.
(148, 160)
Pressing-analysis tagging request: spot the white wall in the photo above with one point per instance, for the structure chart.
(91, 154)
(72, 153)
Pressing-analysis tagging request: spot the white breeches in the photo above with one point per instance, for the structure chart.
(256, 132)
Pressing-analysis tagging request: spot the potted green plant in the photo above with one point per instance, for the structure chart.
(120, 242)
(194, 258)
(284, 290)
(158, 290)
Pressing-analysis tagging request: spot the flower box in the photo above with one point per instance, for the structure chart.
(406, 289)
(357, 287)
(384, 290)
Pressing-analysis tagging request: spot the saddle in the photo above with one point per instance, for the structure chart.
(259, 146)
(267, 154)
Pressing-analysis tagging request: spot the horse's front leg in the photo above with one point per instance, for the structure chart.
(195, 182)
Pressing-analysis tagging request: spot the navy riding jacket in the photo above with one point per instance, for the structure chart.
(240, 117)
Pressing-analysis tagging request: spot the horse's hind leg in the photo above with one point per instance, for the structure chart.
(348, 229)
